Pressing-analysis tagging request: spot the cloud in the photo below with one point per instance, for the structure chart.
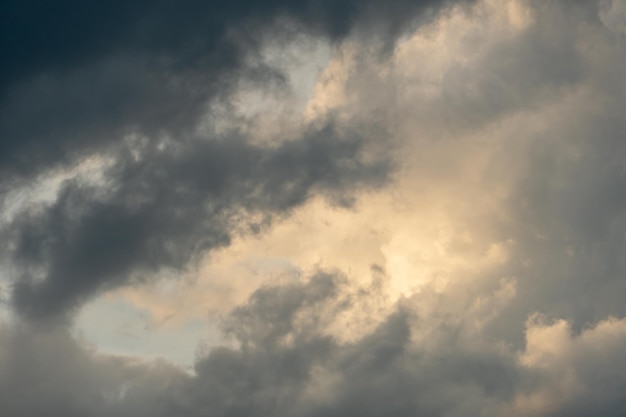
(287, 362)
(491, 140)
(46, 372)
(77, 77)
(504, 171)
(613, 15)
(510, 131)
(137, 87)
(169, 205)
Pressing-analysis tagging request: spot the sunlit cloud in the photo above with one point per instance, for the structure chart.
(316, 208)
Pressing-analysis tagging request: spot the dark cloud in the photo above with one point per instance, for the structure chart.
(45, 372)
(551, 92)
(38, 37)
(171, 205)
(75, 76)
(78, 80)
(288, 364)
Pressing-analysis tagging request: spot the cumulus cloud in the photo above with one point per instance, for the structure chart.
(165, 206)
(490, 140)
(76, 77)
(286, 362)
(136, 86)
(512, 149)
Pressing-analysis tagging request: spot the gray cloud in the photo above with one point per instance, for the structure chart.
(544, 103)
(551, 99)
(288, 364)
(567, 205)
(78, 80)
(170, 206)
(45, 372)
(76, 77)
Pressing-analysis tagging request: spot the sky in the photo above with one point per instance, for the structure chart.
(313, 208)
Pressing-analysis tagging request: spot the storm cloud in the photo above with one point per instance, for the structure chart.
(75, 76)
(132, 83)
(288, 363)
(171, 205)
(437, 228)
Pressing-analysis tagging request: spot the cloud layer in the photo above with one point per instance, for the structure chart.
(134, 84)
(439, 230)
(287, 362)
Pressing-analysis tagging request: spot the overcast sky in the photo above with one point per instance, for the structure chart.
(308, 208)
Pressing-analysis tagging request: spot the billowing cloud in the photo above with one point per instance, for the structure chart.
(286, 362)
(135, 87)
(512, 151)
(76, 77)
(481, 274)
(167, 205)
